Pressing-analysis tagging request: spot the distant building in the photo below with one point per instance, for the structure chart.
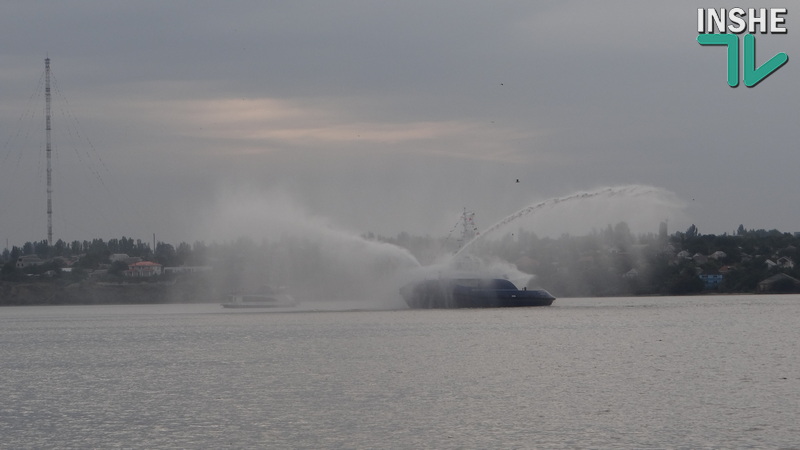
(118, 257)
(725, 269)
(711, 280)
(779, 283)
(28, 261)
(123, 257)
(143, 269)
(718, 255)
(631, 274)
(785, 262)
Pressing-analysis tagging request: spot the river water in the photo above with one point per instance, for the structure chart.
(659, 372)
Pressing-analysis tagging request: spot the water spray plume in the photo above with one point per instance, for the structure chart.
(322, 262)
(657, 201)
(621, 203)
(307, 253)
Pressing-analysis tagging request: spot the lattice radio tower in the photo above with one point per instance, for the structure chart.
(48, 152)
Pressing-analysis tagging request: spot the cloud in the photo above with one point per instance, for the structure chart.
(390, 117)
(268, 125)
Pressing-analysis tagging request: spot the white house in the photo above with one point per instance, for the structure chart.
(143, 269)
(28, 261)
(785, 262)
(718, 255)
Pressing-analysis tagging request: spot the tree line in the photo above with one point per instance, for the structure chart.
(607, 262)
(616, 262)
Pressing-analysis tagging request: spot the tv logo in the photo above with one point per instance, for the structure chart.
(736, 21)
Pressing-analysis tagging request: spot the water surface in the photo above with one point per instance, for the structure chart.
(674, 372)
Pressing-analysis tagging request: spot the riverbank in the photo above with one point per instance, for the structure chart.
(56, 292)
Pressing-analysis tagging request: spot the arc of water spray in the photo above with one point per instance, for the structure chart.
(631, 190)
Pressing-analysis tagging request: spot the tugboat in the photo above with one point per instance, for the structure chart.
(468, 290)
(471, 293)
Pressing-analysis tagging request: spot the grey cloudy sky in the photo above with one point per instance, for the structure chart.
(382, 116)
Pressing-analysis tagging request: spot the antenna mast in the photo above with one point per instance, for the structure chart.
(49, 153)
(468, 228)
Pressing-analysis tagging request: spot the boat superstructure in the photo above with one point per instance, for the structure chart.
(472, 293)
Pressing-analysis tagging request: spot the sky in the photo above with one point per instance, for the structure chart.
(383, 117)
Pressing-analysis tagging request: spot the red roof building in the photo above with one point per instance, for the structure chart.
(143, 269)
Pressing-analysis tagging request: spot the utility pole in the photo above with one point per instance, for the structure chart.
(49, 152)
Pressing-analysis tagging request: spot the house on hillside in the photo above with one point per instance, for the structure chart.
(143, 269)
(719, 254)
(725, 269)
(711, 280)
(28, 261)
(631, 274)
(779, 283)
(118, 257)
(785, 262)
(123, 257)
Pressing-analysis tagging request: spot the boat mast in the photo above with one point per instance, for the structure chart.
(48, 152)
(468, 228)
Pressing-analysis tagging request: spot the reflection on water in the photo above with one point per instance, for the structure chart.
(613, 373)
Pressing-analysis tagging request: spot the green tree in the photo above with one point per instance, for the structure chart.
(692, 232)
(60, 248)
(118, 268)
(183, 254)
(165, 254)
(9, 272)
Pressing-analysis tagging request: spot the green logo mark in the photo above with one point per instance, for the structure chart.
(752, 74)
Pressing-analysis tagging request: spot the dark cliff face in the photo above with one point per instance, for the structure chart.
(53, 293)
(27, 293)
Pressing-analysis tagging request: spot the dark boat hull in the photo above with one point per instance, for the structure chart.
(472, 293)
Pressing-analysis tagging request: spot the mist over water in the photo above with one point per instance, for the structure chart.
(305, 253)
(641, 207)
(468, 266)
(283, 244)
